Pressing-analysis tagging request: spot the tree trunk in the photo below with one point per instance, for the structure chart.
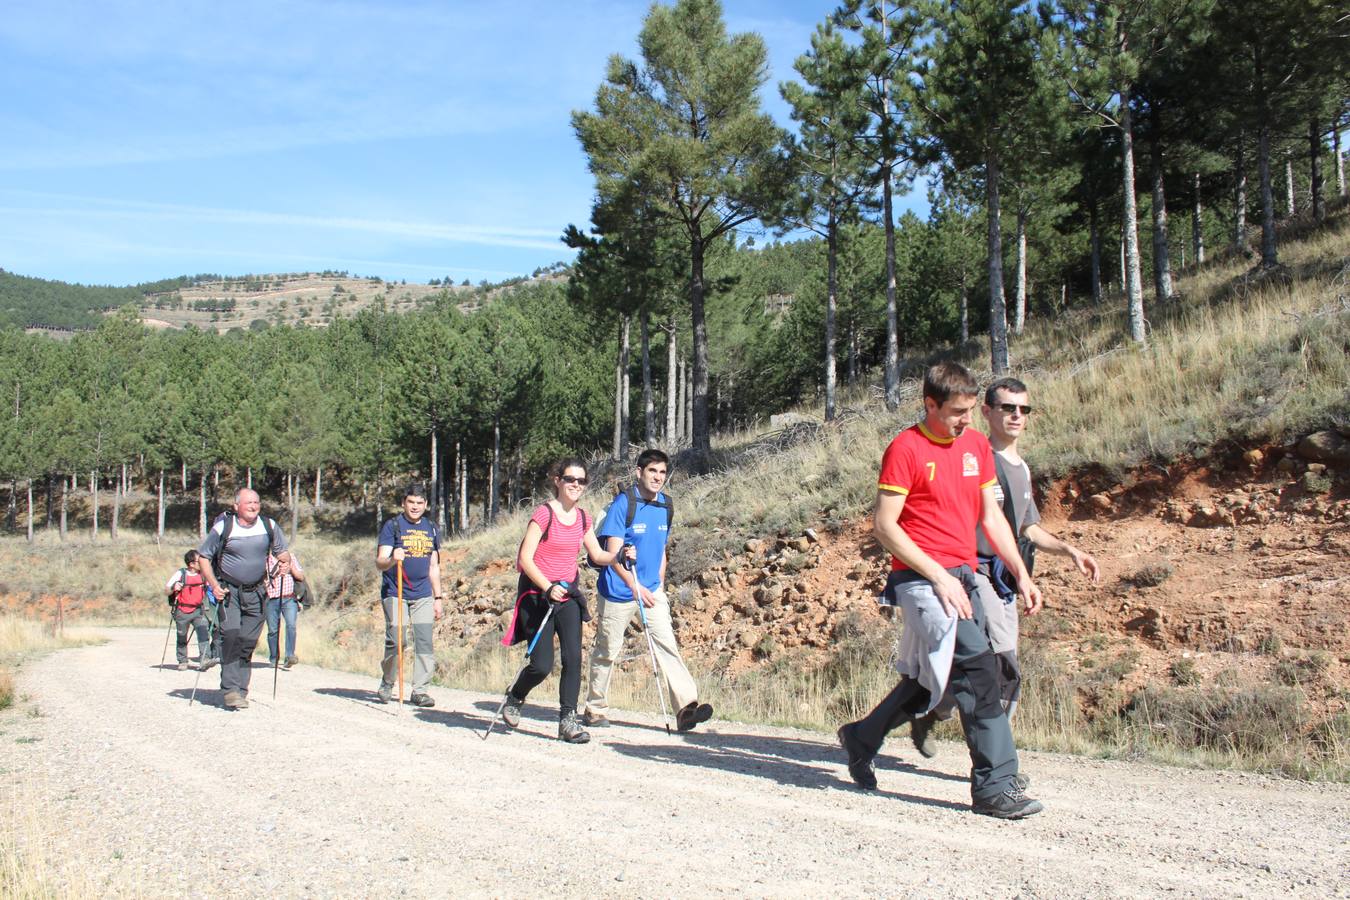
(688, 404)
(1020, 310)
(831, 306)
(965, 311)
(65, 490)
(648, 396)
(463, 487)
(1197, 225)
(892, 374)
(1291, 198)
(1095, 241)
(119, 488)
(1240, 199)
(621, 391)
(184, 475)
(201, 506)
(159, 510)
(1269, 249)
(681, 388)
(700, 438)
(93, 502)
(998, 314)
(672, 383)
(1162, 263)
(1134, 286)
(1340, 160)
(30, 510)
(434, 470)
(249, 481)
(318, 486)
(494, 476)
(293, 479)
(1315, 169)
(51, 488)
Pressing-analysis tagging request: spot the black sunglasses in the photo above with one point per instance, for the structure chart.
(1011, 408)
(574, 479)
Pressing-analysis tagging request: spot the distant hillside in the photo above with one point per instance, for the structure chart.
(216, 303)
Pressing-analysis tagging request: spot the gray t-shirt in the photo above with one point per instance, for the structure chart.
(1018, 478)
(244, 560)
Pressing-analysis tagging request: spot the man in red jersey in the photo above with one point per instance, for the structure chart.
(936, 486)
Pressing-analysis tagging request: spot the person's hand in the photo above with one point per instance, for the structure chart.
(1031, 595)
(647, 597)
(284, 566)
(1086, 564)
(629, 555)
(399, 554)
(437, 609)
(953, 596)
(557, 593)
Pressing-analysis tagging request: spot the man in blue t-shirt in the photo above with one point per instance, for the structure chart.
(647, 528)
(414, 541)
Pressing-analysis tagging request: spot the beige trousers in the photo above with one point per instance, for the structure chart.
(611, 622)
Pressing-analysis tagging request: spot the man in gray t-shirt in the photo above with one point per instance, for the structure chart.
(241, 586)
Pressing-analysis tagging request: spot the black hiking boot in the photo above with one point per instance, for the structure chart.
(921, 733)
(420, 699)
(288, 662)
(594, 720)
(859, 758)
(511, 711)
(385, 693)
(1011, 804)
(235, 700)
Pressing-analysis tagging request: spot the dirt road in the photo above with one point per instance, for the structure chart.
(116, 786)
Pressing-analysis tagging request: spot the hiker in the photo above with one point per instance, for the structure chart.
(640, 516)
(233, 560)
(936, 486)
(187, 591)
(282, 584)
(414, 541)
(547, 561)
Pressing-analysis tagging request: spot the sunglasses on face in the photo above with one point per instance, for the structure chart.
(1011, 408)
(574, 479)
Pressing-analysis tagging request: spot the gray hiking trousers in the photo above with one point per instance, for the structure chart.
(419, 618)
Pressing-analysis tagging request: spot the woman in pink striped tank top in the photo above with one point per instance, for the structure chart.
(547, 561)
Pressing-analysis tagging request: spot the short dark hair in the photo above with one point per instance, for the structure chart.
(946, 379)
(415, 489)
(652, 455)
(190, 557)
(1009, 384)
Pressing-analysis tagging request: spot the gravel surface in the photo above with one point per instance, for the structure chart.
(117, 786)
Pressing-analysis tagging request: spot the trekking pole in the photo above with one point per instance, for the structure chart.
(196, 681)
(651, 646)
(528, 650)
(398, 640)
(276, 657)
(165, 655)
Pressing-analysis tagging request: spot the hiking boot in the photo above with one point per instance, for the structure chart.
(1011, 804)
(594, 720)
(235, 700)
(182, 667)
(921, 733)
(570, 730)
(385, 693)
(511, 711)
(1022, 781)
(213, 661)
(693, 714)
(420, 699)
(289, 661)
(859, 758)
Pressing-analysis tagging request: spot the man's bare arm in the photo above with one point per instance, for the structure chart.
(892, 537)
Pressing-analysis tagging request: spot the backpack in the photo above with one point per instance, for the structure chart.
(1025, 548)
(201, 587)
(585, 522)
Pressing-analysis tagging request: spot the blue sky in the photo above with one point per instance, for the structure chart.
(399, 139)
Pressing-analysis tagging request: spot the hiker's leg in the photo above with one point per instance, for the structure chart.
(229, 642)
(975, 686)
(683, 690)
(182, 624)
(611, 620)
(272, 610)
(203, 628)
(250, 629)
(422, 615)
(907, 700)
(541, 660)
(389, 665)
(289, 608)
(568, 617)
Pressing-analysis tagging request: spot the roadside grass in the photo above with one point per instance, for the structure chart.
(21, 639)
(31, 866)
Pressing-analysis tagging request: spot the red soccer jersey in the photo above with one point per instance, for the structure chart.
(941, 479)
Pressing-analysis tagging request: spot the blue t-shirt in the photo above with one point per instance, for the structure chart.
(648, 533)
(419, 540)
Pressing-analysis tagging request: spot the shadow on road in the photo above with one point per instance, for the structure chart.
(206, 696)
(775, 768)
(805, 751)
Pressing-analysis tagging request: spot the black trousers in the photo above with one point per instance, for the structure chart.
(566, 624)
(241, 624)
